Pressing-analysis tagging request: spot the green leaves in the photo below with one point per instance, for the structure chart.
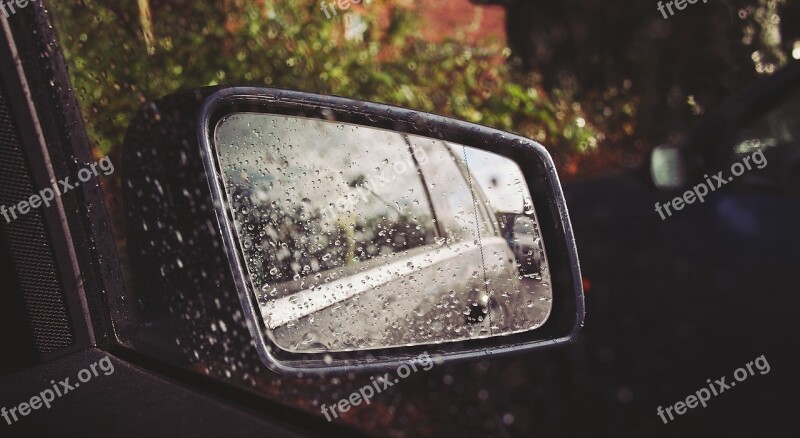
(291, 44)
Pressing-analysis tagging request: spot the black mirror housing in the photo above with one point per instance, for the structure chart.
(187, 274)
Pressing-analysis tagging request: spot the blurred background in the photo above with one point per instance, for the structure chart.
(599, 84)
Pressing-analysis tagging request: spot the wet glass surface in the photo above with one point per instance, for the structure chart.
(358, 238)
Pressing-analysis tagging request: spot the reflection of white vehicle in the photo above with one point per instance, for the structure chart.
(418, 259)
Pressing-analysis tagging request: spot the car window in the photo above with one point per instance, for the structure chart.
(485, 210)
(308, 217)
(597, 84)
(451, 188)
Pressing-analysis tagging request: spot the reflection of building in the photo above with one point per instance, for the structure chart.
(441, 19)
(445, 18)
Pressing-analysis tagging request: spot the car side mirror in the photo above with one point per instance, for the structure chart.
(668, 167)
(347, 234)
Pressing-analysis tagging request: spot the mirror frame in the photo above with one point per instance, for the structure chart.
(567, 313)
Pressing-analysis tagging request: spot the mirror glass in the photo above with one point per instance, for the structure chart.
(359, 238)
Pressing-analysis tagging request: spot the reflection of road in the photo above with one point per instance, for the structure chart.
(413, 312)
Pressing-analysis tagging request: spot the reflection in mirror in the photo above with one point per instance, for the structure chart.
(360, 238)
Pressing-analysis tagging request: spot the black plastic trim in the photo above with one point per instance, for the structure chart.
(69, 150)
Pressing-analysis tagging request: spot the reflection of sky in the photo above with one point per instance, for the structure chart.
(499, 177)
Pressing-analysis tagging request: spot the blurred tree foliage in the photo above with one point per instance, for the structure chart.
(123, 53)
(640, 79)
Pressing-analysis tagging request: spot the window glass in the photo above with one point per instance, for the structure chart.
(568, 75)
(451, 192)
(319, 196)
